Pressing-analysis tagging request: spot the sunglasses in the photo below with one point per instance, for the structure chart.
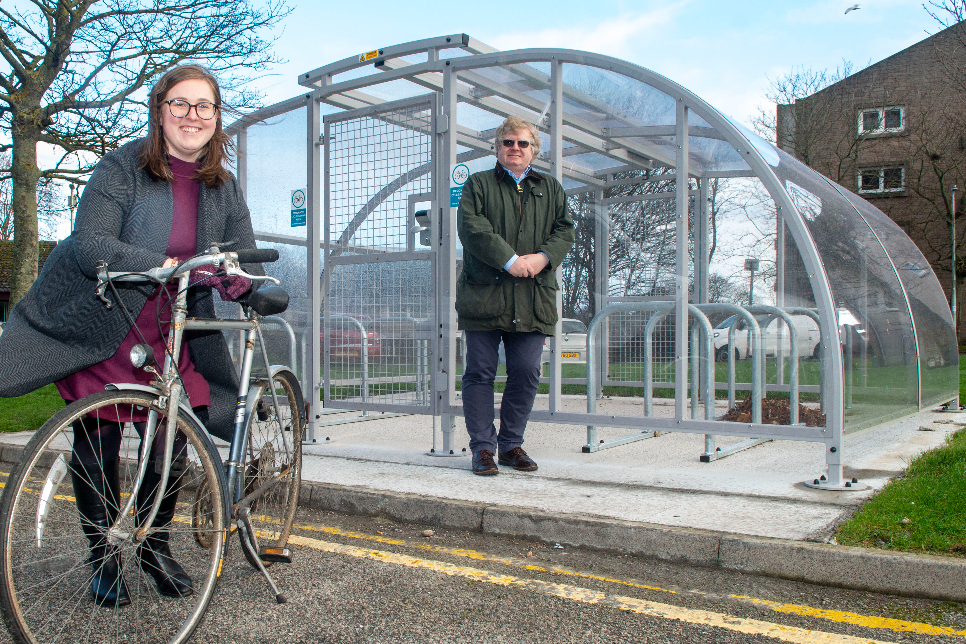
(508, 143)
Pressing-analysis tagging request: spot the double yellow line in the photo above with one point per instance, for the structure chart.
(585, 595)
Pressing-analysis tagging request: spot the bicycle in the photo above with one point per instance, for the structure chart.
(47, 554)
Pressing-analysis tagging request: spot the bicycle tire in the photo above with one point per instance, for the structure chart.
(274, 443)
(45, 594)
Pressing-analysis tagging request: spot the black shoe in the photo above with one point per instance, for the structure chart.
(483, 464)
(154, 555)
(155, 558)
(518, 460)
(107, 580)
(96, 494)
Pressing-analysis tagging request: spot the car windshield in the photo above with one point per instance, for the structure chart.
(573, 326)
(724, 324)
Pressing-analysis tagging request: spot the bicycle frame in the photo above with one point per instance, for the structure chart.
(169, 392)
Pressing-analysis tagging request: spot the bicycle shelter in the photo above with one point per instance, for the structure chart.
(356, 182)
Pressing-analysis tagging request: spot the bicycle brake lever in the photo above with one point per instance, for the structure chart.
(232, 267)
(102, 284)
(101, 288)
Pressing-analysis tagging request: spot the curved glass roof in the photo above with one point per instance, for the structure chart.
(612, 132)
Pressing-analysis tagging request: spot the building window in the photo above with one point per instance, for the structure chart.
(882, 180)
(882, 120)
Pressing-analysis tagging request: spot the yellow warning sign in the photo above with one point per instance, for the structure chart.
(369, 55)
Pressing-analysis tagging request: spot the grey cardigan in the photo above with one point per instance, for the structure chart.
(124, 218)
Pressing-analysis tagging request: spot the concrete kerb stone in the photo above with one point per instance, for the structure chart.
(628, 537)
(826, 564)
(398, 506)
(848, 567)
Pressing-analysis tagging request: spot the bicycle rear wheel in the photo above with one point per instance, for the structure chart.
(274, 452)
(48, 560)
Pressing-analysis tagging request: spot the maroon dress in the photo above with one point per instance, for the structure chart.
(118, 368)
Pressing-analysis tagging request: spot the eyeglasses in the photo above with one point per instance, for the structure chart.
(508, 143)
(180, 108)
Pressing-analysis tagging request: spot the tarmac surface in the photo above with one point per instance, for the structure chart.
(748, 512)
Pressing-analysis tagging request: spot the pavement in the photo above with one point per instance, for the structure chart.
(748, 512)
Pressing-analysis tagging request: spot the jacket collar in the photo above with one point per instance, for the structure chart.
(499, 172)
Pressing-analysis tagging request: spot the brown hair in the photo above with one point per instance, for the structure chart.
(513, 124)
(154, 153)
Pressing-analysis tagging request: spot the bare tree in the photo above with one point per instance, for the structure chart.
(50, 205)
(798, 125)
(72, 77)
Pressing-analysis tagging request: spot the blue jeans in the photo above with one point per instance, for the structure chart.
(523, 351)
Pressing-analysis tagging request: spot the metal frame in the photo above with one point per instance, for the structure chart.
(333, 249)
(451, 68)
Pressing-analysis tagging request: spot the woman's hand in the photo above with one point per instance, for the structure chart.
(171, 261)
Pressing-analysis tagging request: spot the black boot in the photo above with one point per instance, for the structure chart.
(155, 554)
(96, 491)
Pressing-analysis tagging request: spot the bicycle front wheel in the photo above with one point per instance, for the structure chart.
(61, 527)
(274, 458)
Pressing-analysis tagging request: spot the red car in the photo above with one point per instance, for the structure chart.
(345, 339)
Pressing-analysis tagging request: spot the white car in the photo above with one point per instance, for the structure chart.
(809, 338)
(572, 342)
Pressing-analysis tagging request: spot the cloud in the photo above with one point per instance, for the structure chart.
(613, 36)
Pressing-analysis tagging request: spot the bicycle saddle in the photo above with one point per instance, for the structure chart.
(268, 300)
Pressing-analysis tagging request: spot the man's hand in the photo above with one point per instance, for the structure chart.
(521, 268)
(537, 261)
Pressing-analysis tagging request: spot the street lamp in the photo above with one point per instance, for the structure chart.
(952, 261)
(72, 200)
(752, 266)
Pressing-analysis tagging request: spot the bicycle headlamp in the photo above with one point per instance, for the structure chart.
(141, 355)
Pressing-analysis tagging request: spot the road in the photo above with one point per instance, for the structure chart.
(370, 580)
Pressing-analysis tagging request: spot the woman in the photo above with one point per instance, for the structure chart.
(147, 204)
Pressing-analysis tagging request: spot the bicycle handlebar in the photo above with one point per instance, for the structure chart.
(257, 255)
(229, 261)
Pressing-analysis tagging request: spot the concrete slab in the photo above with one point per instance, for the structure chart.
(660, 480)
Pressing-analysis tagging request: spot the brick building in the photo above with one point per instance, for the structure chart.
(6, 269)
(894, 134)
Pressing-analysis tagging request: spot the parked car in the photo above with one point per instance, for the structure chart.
(809, 338)
(572, 343)
(345, 340)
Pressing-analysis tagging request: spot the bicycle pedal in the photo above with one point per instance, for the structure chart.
(274, 555)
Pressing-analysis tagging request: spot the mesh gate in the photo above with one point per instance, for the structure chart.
(379, 304)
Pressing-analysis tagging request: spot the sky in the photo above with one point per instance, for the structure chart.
(725, 51)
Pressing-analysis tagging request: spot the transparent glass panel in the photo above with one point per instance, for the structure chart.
(879, 349)
(713, 155)
(938, 350)
(613, 100)
(276, 167)
(395, 90)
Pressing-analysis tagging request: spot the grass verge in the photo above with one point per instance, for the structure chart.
(31, 411)
(922, 511)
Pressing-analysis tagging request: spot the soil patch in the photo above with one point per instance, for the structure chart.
(775, 411)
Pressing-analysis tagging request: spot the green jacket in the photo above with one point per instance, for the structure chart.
(496, 221)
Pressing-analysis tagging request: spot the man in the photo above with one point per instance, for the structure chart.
(515, 231)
